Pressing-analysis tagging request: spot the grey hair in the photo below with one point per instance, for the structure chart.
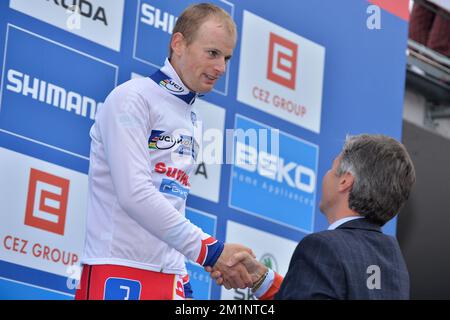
(383, 175)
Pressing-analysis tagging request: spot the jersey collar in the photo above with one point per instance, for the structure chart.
(168, 79)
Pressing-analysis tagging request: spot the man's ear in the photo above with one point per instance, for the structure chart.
(346, 182)
(178, 43)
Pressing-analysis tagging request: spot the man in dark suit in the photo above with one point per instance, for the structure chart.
(368, 183)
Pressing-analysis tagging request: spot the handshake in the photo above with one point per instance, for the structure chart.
(237, 267)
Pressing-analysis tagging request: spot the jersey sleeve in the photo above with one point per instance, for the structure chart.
(272, 288)
(123, 122)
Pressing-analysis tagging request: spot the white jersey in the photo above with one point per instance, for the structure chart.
(142, 153)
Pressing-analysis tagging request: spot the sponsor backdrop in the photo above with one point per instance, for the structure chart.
(304, 73)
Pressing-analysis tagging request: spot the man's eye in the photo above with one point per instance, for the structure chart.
(212, 53)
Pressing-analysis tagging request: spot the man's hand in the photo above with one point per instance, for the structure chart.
(254, 268)
(235, 275)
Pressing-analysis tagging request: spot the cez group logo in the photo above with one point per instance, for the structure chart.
(47, 202)
(50, 93)
(282, 64)
(283, 183)
(42, 207)
(280, 72)
(155, 21)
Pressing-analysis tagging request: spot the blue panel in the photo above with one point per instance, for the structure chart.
(10, 290)
(285, 187)
(36, 278)
(199, 278)
(50, 93)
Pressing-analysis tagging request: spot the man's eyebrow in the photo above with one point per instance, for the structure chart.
(213, 49)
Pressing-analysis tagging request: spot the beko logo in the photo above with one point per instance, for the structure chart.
(51, 94)
(85, 8)
(274, 167)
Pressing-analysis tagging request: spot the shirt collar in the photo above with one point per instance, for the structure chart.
(174, 84)
(169, 70)
(339, 222)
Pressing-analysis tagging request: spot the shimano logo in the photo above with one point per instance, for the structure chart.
(51, 94)
(158, 19)
(273, 167)
(84, 8)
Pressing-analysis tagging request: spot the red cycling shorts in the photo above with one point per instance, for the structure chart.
(113, 282)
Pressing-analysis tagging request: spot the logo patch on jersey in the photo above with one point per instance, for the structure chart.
(173, 188)
(159, 140)
(172, 172)
(172, 86)
(183, 144)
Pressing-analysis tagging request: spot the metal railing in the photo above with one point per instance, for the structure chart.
(429, 73)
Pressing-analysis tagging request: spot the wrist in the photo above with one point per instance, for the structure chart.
(259, 273)
(260, 277)
(265, 285)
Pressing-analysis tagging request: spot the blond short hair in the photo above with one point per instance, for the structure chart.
(195, 15)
